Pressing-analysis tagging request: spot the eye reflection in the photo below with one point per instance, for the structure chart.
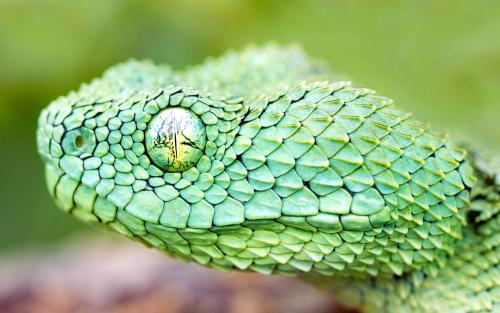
(175, 139)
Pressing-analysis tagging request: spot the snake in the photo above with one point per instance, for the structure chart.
(264, 160)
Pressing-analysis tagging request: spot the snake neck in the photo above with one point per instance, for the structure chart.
(484, 211)
(468, 282)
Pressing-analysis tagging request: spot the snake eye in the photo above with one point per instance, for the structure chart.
(175, 139)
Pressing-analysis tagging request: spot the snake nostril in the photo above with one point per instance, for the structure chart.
(79, 141)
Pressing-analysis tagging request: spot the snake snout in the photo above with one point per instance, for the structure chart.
(64, 133)
(65, 140)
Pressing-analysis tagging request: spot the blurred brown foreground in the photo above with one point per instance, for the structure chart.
(111, 275)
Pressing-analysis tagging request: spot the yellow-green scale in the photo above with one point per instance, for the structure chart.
(252, 169)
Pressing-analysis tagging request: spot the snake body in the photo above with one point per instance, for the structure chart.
(263, 161)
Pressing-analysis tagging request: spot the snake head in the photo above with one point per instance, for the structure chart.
(319, 177)
(134, 153)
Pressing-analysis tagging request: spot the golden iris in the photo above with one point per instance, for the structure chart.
(175, 139)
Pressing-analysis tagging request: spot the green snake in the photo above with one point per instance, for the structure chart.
(263, 161)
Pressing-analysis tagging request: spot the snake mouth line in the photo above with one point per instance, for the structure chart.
(73, 196)
(62, 187)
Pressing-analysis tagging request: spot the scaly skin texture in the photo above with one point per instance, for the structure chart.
(290, 173)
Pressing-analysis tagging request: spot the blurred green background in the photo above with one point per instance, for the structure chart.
(439, 59)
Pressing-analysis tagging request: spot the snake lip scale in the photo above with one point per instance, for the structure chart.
(263, 160)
